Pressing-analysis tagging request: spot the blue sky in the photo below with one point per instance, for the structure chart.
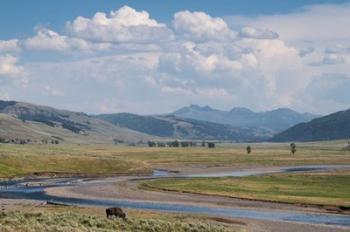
(156, 56)
(26, 15)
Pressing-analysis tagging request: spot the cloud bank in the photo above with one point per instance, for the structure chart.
(127, 61)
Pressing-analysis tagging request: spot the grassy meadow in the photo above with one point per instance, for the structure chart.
(21, 160)
(331, 188)
(66, 219)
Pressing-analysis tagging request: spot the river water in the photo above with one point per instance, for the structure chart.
(25, 189)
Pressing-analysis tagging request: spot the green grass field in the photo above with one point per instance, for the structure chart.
(311, 188)
(67, 219)
(21, 160)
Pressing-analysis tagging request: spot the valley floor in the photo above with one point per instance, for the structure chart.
(111, 160)
(133, 162)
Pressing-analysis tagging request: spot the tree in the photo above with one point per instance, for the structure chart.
(176, 143)
(293, 148)
(117, 141)
(211, 145)
(151, 144)
(193, 144)
(160, 144)
(249, 149)
(184, 144)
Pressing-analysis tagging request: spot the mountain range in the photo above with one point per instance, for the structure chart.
(184, 128)
(35, 123)
(330, 127)
(274, 120)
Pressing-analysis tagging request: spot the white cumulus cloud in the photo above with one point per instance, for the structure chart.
(131, 62)
(332, 58)
(257, 33)
(9, 66)
(48, 40)
(9, 46)
(123, 25)
(201, 26)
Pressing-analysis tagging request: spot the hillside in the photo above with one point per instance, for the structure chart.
(330, 127)
(34, 123)
(147, 124)
(28, 121)
(181, 128)
(275, 120)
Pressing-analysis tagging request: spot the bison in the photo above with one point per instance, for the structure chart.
(115, 211)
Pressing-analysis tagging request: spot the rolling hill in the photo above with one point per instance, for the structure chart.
(330, 127)
(20, 120)
(275, 120)
(181, 128)
(35, 123)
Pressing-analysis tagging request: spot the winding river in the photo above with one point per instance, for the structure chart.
(25, 189)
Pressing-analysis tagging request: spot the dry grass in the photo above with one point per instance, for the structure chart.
(311, 188)
(20, 160)
(77, 219)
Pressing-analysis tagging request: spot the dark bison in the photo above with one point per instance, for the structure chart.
(115, 211)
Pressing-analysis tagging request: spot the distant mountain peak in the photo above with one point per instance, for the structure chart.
(200, 108)
(194, 108)
(276, 120)
(284, 110)
(240, 110)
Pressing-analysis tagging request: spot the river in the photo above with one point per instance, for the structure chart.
(35, 190)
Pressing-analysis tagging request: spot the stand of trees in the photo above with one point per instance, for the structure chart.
(50, 141)
(117, 141)
(177, 143)
(28, 141)
(16, 141)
